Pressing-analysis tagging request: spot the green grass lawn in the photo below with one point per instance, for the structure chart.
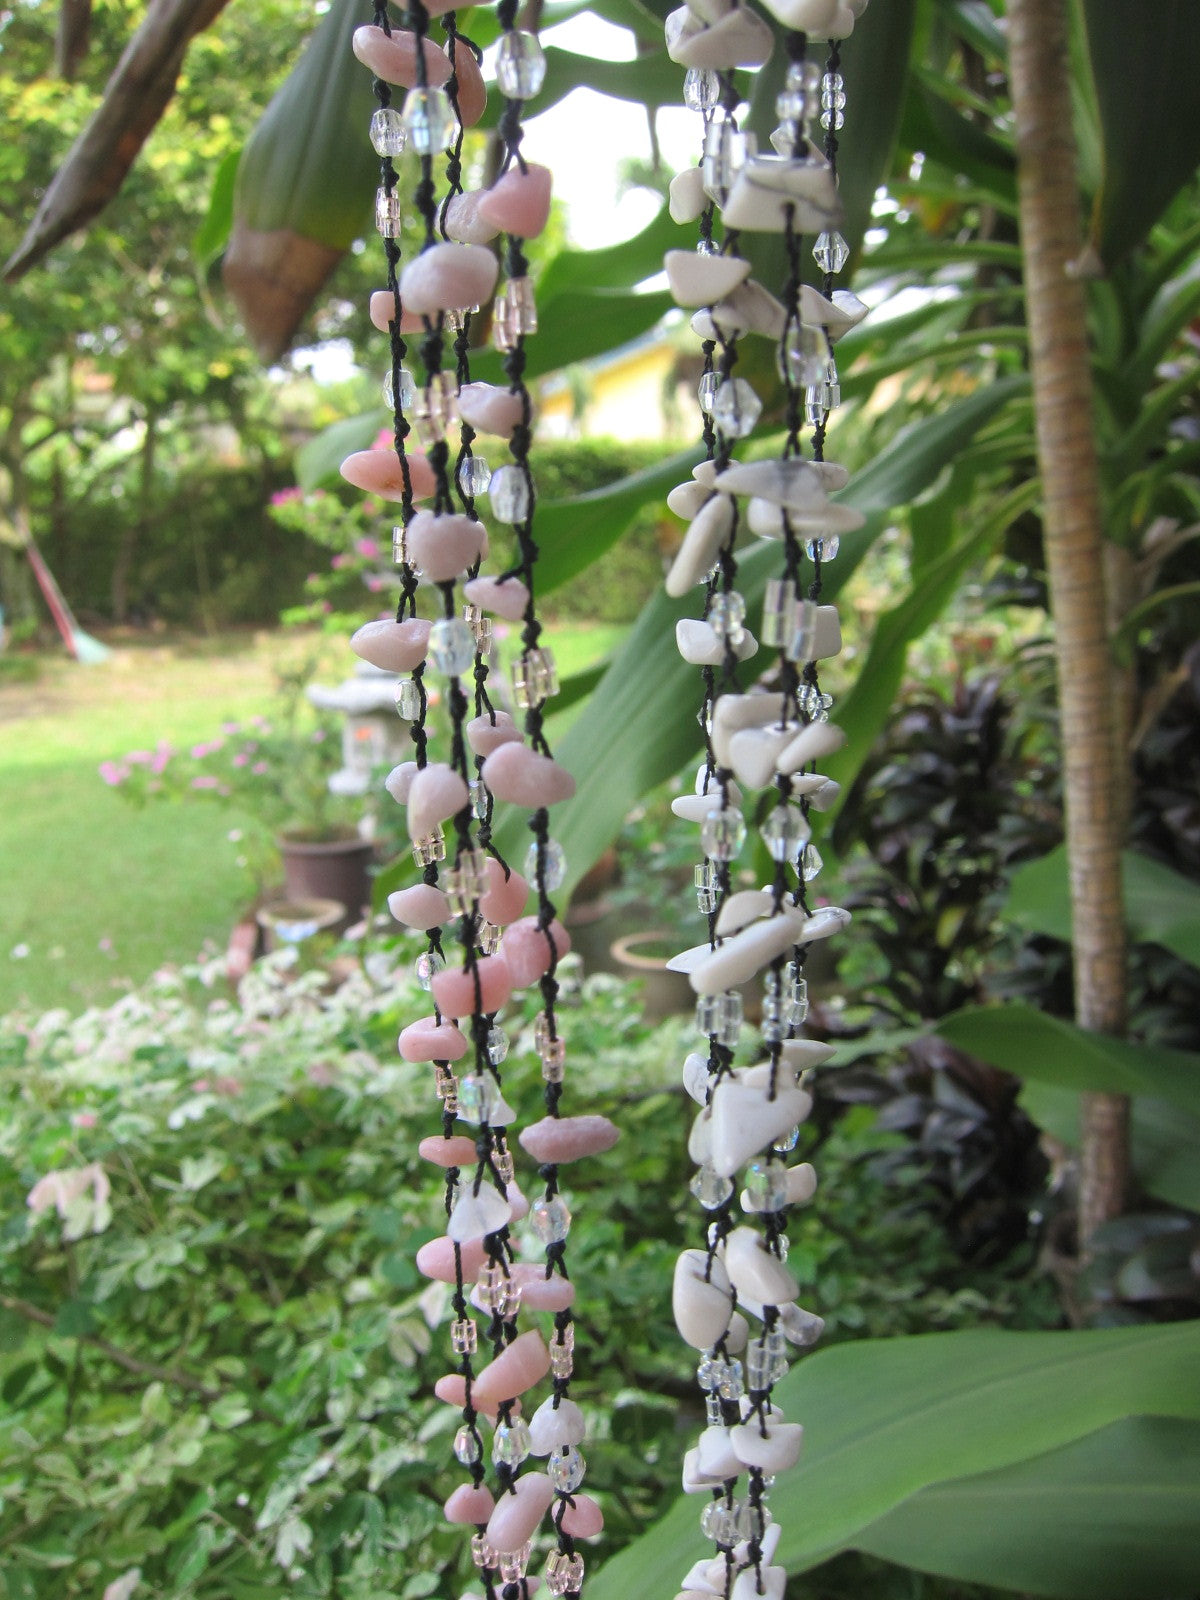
(93, 893)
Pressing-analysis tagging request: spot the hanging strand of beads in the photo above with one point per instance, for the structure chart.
(749, 1118)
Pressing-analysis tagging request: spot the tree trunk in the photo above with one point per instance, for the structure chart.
(1051, 241)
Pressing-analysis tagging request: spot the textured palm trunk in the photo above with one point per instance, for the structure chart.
(1093, 764)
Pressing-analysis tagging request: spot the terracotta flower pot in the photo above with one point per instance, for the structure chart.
(329, 869)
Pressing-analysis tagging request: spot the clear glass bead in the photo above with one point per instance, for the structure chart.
(725, 615)
(815, 409)
(554, 1060)
(435, 407)
(451, 647)
(497, 1046)
(400, 545)
(550, 1219)
(514, 1564)
(766, 1184)
(714, 1414)
(481, 629)
(534, 678)
(444, 1082)
(783, 139)
(480, 799)
(824, 548)
(804, 77)
(474, 475)
(408, 389)
(562, 1355)
(779, 610)
(520, 65)
(833, 116)
(718, 1522)
(388, 133)
(429, 120)
(701, 89)
(552, 859)
(710, 1188)
(564, 1573)
(465, 881)
(566, 1468)
(509, 494)
(388, 218)
(784, 831)
(464, 1337)
(800, 642)
(803, 353)
(810, 862)
(708, 887)
(779, 1368)
(495, 1289)
(408, 698)
(487, 936)
(478, 1097)
(427, 966)
(723, 833)
(482, 1553)
(758, 1366)
(731, 1384)
(788, 1142)
(514, 314)
(725, 153)
(721, 1016)
(510, 1443)
(736, 408)
(833, 88)
(429, 849)
(504, 1165)
(467, 1448)
(831, 252)
(706, 391)
(707, 1373)
(771, 1024)
(795, 1002)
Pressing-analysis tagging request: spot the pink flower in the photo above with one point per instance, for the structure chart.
(61, 1188)
(259, 768)
(241, 759)
(85, 1119)
(282, 497)
(375, 584)
(207, 747)
(367, 548)
(205, 781)
(384, 440)
(227, 1086)
(322, 1073)
(161, 757)
(339, 561)
(139, 758)
(231, 727)
(113, 773)
(319, 736)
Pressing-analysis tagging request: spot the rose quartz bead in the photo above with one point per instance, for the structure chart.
(422, 906)
(526, 949)
(394, 59)
(526, 778)
(392, 646)
(472, 91)
(448, 277)
(471, 1505)
(454, 987)
(465, 222)
(490, 408)
(583, 1520)
(436, 1260)
(505, 897)
(506, 597)
(437, 794)
(382, 308)
(540, 1293)
(557, 1139)
(484, 735)
(453, 1390)
(518, 1204)
(400, 780)
(519, 202)
(525, 1362)
(443, 547)
(457, 1151)
(430, 1040)
(518, 1514)
(379, 472)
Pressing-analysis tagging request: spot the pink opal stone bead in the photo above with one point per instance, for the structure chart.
(526, 949)
(422, 906)
(457, 1151)
(393, 57)
(427, 1039)
(470, 1505)
(504, 899)
(584, 1519)
(485, 734)
(522, 776)
(453, 1390)
(437, 794)
(519, 202)
(519, 1513)
(382, 309)
(540, 1293)
(490, 408)
(454, 987)
(525, 1362)
(448, 277)
(378, 472)
(472, 91)
(400, 780)
(465, 222)
(443, 547)
(392, 646)
(504, 597)
(557, 1139)
(435, 1260)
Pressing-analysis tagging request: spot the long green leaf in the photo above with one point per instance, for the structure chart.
(1114, 1516)
(886, 1419)
(1161, 906)
(614, 266)
(318, 461)
(1144, 69)
(213, 233)
(1045, 1049)
(576, 327)
(652, 79)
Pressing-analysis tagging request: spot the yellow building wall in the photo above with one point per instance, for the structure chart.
(624, 399)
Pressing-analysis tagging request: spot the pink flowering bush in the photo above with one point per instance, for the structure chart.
(359, 534)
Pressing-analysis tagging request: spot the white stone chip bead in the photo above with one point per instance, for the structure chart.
(808, 16)
(827, 795)
(742, 908)
(551, 1426)
(754, 752)
(755, 1272)
(685, 499)
(732, 712)
(717, 1456)
(701, 646)
(767, 188)
(749, 309)
(702, 543)
(701, 1306)
(738, 39)
(697, 1482)
(697, 1580)
(737, 1334)
(740, 957)
(709, 10)
(697, 1077)
(775, 1451)
(476, 1215)
(700, 1137)
(769, 1542)
(801, 1328)
(801, 1186)
(698, 280)
(745, 1120)
(748, 1585)
(813, 743)
(705, 472)
(801, 1054)
(687, 198)
(837, 314)
(765, 518)
(823, 924)
(799, 485)
(687, 960)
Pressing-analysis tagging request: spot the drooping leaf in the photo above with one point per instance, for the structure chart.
(886, 1419)
(1108, 1517)
(1145, 82)
(213, 233)
(943, 134)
